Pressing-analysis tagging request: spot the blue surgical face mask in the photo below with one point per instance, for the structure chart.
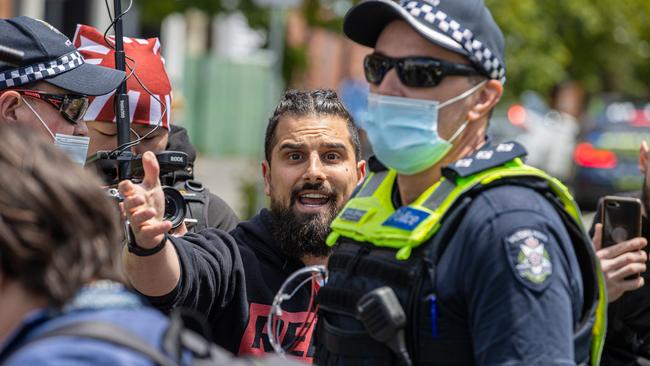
(75, 146)
(403, 132)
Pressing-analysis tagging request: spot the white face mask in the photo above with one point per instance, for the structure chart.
(75, 146)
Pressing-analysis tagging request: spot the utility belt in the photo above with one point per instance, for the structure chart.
(382, 251)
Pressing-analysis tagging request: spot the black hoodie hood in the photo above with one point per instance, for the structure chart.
(257, 235)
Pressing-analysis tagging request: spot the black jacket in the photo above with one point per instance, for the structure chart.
(628, 324)
(232, 278)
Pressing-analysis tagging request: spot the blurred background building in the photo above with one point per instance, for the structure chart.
(577, 92)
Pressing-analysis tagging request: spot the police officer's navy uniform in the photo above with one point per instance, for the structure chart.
(505, 277)
(490, 265)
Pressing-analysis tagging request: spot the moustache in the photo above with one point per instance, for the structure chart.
(317, 188)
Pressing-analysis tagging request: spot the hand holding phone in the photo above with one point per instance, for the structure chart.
(621, 219)
(621, 231)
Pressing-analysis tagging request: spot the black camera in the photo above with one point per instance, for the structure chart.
(174, 206)
(106, 165)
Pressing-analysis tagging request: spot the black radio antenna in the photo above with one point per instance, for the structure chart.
(122, 115)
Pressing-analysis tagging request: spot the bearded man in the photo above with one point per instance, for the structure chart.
(312, 165)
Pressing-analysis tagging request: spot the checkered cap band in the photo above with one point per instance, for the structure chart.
(479, 53)
(32, 73)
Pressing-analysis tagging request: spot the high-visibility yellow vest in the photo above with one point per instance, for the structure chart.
(370, 217)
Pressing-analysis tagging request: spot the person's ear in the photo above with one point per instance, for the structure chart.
(361, 171)
(487, 98)
(266, 173)
(643, 157)
(10, 101)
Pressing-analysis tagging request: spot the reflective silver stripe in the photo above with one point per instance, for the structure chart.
(439, 195)
(371, 186)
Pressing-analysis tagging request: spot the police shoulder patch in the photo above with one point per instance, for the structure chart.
(529, 258)
(406, 218)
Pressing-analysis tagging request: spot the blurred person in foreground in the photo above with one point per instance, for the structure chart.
(485, 255)
(49, 89)
(58, 260)
(311, 167)
(150, 111)
(62, 298)
(624, 264)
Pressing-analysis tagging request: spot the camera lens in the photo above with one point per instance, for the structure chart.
(174, 206)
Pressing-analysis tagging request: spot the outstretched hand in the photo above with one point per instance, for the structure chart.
(620, 261)
(144, 205)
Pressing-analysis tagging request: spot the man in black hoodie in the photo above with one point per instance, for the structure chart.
(311, 168)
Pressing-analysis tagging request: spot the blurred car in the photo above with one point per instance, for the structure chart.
(606, 155)
(548, 135)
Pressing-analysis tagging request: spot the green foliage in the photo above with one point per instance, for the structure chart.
(600, 43)
(249, 191)
(253, 198)
(321, 14)
(604, 44)
(153, 11)
(294, 62)
(257, 17)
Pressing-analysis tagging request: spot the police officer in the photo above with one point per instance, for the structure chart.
(486, 256)
(150, 97)
(48, 88)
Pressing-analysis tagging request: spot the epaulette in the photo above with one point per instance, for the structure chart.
(483, 159)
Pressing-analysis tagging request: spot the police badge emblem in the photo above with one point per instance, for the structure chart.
(529, 257)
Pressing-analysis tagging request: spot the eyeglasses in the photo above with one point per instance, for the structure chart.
(71, 106)
(416, 71)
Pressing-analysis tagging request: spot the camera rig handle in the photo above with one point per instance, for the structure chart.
(169, 161)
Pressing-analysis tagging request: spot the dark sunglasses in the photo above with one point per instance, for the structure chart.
(415, 71)
(71, 106)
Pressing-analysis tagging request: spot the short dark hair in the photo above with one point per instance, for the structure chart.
(298, 103)
(58, 228)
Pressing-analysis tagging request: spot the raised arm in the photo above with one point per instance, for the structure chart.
(144, 206)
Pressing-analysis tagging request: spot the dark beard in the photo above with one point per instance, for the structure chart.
(303, 234)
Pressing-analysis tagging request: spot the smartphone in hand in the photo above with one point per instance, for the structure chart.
(621, 219)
